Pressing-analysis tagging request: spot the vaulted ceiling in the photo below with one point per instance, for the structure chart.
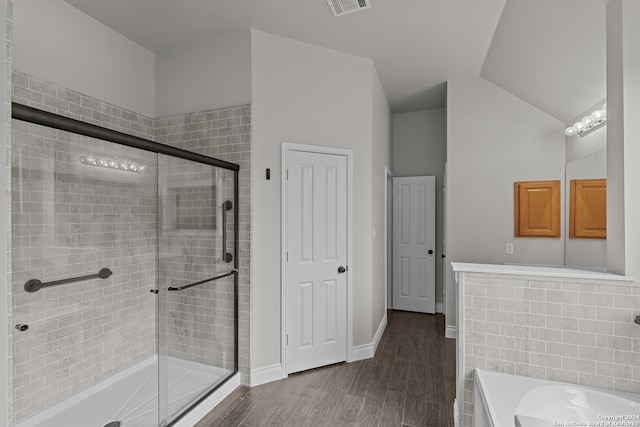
(548, 52)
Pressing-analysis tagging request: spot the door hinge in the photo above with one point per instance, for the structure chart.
(287, 339)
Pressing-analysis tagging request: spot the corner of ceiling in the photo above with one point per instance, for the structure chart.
(495, 29)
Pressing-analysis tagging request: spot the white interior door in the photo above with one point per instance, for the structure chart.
(414, 201)
(316, 299)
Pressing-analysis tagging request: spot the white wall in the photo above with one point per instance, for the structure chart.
(494, 139)
(623, 134)
(58, 43)
(382, 154)
(420, 148)
(586, 159)
(306, 94)
(209, 74)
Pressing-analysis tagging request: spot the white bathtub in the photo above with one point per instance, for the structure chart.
(501, 400)
(131, 397)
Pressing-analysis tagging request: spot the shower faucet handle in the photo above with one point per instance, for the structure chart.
(637, 320)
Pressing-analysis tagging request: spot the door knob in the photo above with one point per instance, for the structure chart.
(430, 251)
(341, 269)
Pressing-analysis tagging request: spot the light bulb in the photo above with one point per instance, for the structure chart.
(570, 131)
(587, 121)
(579, 126)
(597, 115)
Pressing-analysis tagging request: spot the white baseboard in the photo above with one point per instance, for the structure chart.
(439, 307)
(265, 375)
(367, 351)
(450, 332)
(361, 352)
(200, 411)
(378, 336)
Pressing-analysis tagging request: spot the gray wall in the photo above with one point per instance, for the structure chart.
(213, 73)
(300, 94)
(382, 154)
(420, 148)
(64, 46)
(494, 139)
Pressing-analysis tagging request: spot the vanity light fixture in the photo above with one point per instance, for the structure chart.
(112, 164)
(588, 123)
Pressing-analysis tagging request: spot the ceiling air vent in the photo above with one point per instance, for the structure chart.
(342, 7)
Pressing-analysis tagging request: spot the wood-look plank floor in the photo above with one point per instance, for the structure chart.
(410, 382)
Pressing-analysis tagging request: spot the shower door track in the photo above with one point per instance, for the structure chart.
(56, 121)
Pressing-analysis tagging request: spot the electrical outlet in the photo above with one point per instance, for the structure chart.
(509, 249)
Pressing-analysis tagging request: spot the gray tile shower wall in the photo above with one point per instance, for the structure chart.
(70, 219)
(7, 193)
(224, 134)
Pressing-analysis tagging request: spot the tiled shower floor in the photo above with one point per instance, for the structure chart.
(132, 396)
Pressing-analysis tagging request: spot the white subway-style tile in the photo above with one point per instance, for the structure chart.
(597, 354)
(563, 375)
(579, 365)
(596, 381)
(615, 370)
(614, 342)
(579, 338)
(562, 349)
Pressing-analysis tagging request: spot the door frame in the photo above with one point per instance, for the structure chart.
(318, 149)
(388, 245)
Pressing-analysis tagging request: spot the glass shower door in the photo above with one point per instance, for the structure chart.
(124, 276)
(84, 220)
(196, 283)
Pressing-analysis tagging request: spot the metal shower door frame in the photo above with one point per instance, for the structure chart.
(56, 121)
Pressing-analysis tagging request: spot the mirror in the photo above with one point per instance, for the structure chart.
(586, 158)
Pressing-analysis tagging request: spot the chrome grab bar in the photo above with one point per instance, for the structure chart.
(234, 271)
(34, 285)
(226, 256)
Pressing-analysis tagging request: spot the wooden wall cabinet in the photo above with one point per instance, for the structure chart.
(537, 209)
(588, 216)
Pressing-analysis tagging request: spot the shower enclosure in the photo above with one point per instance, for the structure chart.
(124, 275)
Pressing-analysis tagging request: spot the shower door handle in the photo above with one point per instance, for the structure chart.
(227, 256)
